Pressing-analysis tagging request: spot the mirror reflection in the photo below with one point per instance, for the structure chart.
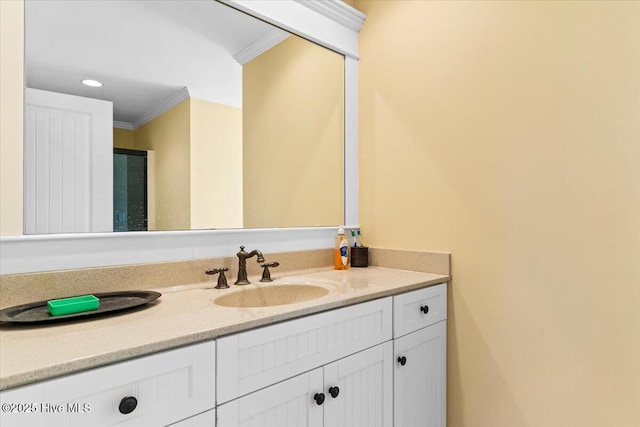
(205, 118)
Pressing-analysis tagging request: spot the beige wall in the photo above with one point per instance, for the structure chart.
(509, 134)
(11, 101)
(293, 130)
(196, 166)
(124, 138)
(168, 135)
(216, 165)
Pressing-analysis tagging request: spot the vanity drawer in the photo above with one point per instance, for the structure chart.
(417, 309)
(255, 359)
(160, 389)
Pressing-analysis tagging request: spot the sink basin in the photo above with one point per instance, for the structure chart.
(270, 295)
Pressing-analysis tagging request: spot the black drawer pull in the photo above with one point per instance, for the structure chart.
(402, 360)
(424, 309)
(127, 405)
(319, 398)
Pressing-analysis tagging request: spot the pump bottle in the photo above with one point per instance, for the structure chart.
(341, 251)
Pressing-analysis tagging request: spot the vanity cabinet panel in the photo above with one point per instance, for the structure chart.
(154, 390)
(420, 380)
(418, 309)
(258, 358)
(286, 404)
(361, 383)
(420, 351)
(364, 384)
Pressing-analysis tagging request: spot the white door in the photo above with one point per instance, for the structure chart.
(420, 378)
(68, 163)
(363, 388)
(287, 404)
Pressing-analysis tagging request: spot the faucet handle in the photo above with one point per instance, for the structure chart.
(222, 280)
(266, 275)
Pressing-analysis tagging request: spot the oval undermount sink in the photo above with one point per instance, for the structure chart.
(270, 295)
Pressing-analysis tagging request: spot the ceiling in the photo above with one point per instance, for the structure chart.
(144, 52)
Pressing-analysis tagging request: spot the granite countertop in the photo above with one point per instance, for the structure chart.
(184, 315)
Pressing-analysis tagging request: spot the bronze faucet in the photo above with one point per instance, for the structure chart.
(242, 264)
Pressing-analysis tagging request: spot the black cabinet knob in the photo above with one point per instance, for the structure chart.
(334, 391)
(402, 360)
(128, 405)
(424, 309)
(319, 398)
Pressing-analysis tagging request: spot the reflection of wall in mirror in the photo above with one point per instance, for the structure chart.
(293, 133)
(124, 138)
(197, 182)
(168, 136)
(216, 165)
(11, 84)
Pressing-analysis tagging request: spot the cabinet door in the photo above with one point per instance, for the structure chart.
(364, 384)
(420, 384)
(287, 404)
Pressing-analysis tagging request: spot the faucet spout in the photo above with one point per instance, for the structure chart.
(242, 264)
(254, 253)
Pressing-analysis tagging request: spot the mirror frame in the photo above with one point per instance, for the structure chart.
(332, 24)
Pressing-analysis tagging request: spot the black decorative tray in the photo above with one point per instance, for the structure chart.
(111, 301)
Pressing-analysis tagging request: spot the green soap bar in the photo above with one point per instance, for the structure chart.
(58, 307)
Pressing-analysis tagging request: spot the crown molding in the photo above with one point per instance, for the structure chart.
(259, 46)
(338, 11)
(123, 125)
(163, 107)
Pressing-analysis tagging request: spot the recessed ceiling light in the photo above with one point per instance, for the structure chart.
(92, 83)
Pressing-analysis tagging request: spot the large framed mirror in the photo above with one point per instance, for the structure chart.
(241, 122)
(288, 211)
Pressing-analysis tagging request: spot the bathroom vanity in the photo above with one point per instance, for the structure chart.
(371, 352)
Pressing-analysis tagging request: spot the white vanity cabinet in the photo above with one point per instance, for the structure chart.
(420, 345)
(380, 363)
(352, 392)
(288, 374)
(251, 360)
(155, 390)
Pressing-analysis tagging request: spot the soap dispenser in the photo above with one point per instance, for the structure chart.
(341, 251)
